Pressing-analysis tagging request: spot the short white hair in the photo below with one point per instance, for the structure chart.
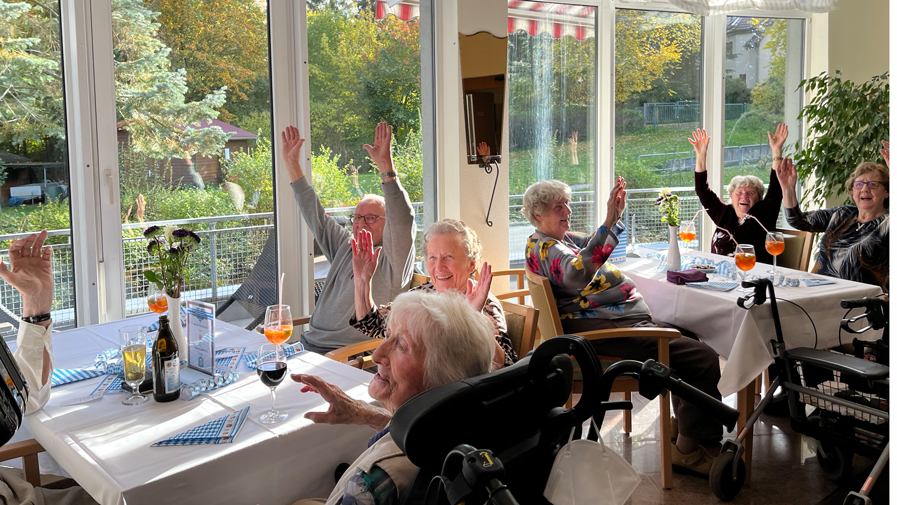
(458, 342)
(370, 197)
(747, 181)
(453, 226)
(539, 195)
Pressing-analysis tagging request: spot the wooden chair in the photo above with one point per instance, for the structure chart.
(523, 321)
(28, 451)
(520, 293)
(798, 249)
(354, 354)
(418, 279)
(550, 327)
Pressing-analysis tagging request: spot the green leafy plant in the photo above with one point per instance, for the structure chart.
(846, 123)
(668, 204)
(172, 245)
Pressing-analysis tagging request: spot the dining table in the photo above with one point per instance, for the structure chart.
(107, 446)
(808, 305)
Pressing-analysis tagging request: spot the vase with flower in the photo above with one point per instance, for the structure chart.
(171, 245)
(668, 204)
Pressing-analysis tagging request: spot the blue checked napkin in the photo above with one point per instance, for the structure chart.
(220, 431)
(63, 376)
(290, 350)
(817, 282)
(713, 286)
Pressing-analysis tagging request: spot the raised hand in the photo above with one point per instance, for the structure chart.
(616, 204)
(787, 174)
(699, 140)
(778, 140)
(364, 256)
(343, 409)
(30, 271)
(381, 151)
(886, 152)
(478, 292)
(292, 147)
(483, 149)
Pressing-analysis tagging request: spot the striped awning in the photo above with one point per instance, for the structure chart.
(558, 20)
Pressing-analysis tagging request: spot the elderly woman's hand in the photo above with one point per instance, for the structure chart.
(478, 292)
(777, 140)
(292, 146)
(700, 141)
(343, 409)
(483, 149)
(616, 204)
(30, 271)
(364, 256)
(787, 174)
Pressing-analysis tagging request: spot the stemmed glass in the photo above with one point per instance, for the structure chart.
(745, 259)
(133, 352)
(687, 234)
(775, 245)
(278, 324)
(156, 300)
(272, 368)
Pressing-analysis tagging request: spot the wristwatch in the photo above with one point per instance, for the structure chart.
(777, 158)
(37, 319)
(391, 173)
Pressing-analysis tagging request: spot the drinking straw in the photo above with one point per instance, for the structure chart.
(729, 234)
(696, 215)
(758, 222)
(280, 301)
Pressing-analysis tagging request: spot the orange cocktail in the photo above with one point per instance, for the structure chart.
(745, 262)
(278, 334)
(687, 236)
(775, 248)
(157, 304)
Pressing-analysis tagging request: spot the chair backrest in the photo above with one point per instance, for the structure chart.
(798, 249)
(543, 299)
(348, 354)
(522, 325)
(259, 289)
(418, 279)
(517, 288)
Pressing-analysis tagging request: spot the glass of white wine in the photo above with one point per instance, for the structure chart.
(133, 352)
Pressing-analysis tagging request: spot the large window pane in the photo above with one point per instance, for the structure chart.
(364, 68)
(194, 137)
(551, 103)
(657, 99)
(34, 170)
(763, 69)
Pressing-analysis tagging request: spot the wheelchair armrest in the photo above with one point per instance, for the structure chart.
(868, 370)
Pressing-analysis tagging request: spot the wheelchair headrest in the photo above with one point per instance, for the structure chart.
(500, 409)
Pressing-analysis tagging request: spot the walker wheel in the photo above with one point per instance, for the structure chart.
(721, 482)
(837, 464)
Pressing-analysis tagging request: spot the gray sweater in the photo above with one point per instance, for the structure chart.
(329, 327)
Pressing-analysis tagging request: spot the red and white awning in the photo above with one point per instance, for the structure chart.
(558, 20)
(405, 10)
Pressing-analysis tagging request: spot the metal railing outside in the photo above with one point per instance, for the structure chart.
(733, 156)
(674, 113)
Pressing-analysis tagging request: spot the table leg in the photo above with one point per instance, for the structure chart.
(746, 408)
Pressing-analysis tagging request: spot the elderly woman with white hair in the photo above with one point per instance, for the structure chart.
(746, 193)
(592, 294)
(452, 252)
(432, 339)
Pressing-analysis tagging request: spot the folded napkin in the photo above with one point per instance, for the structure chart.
(685, 276)
(713, 286)
(289, 349)
(220, 431)
(63, 376)
(232, 359)
(817, 282)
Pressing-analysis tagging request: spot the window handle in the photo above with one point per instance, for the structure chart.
(109, 183)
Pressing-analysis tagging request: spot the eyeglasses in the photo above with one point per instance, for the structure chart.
(869, 184)
(369, 219)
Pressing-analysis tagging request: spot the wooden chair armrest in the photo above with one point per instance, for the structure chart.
(343, 353)
(513, 294)
(20, 449)
(659, 333)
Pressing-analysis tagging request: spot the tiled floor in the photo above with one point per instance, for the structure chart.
(785, 470)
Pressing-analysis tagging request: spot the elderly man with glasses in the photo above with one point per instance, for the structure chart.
(390, 221)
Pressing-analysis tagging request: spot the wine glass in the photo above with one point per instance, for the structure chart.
(775, 245)
(687, 234)
(133, 352)
(156, 299)
(272, 368)
(745, 259)
(278, 324)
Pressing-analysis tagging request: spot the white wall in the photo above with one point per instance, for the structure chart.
(858, 39)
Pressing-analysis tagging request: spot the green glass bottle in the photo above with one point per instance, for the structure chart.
(166, 373)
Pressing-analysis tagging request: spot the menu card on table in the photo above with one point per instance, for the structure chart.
(201, 336)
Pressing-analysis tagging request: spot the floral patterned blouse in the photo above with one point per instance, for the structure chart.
(374, 324)
(584, 284)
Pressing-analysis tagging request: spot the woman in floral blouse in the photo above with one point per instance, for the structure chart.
(592, 294)
(452, 251)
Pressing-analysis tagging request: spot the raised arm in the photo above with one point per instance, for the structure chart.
(292, 147)
(815, 221)
(700, 141)
(398, 234)
(30, 272)
(709, 200)
(776, 143)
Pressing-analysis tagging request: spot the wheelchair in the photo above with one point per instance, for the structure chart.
(847, 397)
(494, 438)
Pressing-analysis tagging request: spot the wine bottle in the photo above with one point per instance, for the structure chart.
(166, 375)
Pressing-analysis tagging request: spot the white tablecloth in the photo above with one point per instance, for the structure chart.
(742, 336)
(105, 445)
